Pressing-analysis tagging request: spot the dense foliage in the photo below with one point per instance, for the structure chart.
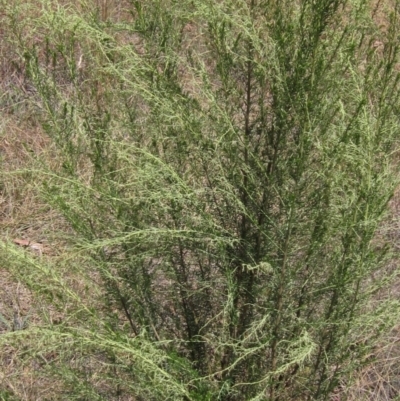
(225, 168)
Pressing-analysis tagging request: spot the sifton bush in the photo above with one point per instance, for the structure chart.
(225, 167)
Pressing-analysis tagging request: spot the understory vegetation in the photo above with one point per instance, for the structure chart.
(211, 181)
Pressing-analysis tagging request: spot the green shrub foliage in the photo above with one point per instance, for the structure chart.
(226, 166)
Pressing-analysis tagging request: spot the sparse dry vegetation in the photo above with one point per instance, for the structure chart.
(198, 200)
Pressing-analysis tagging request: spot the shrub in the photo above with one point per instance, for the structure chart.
(225, 168)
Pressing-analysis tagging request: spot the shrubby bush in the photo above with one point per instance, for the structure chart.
(225, 169)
